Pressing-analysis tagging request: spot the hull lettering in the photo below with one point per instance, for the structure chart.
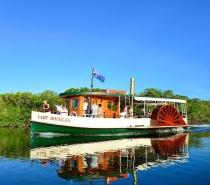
(54, 118)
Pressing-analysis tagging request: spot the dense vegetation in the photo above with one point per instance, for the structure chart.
(15, 109)
(14, 143)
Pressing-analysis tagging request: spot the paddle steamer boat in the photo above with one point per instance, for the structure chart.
(166, 115)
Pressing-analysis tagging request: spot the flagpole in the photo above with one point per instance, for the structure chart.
(92, 80)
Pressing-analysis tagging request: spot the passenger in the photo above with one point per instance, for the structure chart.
(130, 113)
(94, 109)
(126, 109)
(100, 111)
(124, 113)
(59, 108)
(46, 106)
(114, 115)
(73, 113)
(85, 108)
(144, 113)
(64, 111)
(149, 113)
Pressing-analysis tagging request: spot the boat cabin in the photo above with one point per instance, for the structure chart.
(114, 103)
(110, 101)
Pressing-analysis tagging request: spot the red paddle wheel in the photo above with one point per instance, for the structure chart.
(166, 115)
(169, 147)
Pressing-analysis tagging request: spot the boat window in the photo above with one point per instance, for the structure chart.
(114, 105)
(109, 105)
(74, 104)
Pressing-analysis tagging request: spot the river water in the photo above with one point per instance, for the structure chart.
(165, 159)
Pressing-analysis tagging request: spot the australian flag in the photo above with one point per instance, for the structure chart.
(98, 76)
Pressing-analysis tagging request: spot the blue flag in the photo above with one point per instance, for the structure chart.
(98, 76)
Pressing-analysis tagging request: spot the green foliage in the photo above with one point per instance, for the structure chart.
(15, 109)
(97, 90)
(151, 92)
(168, 94)
(14, 143)
(198, 110)
(83, 89)
(72, 90)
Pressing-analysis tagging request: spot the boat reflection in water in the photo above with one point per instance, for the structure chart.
(111, 160)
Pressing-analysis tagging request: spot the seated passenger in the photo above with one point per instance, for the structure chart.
(64, 111)
(73, 113)
(126, 109)
(130, 113)
(149, 113)
(124, 113)
(46, 106)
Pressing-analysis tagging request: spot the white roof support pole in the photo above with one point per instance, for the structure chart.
(119, 106)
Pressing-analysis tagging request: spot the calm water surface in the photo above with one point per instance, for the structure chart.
(177, 159)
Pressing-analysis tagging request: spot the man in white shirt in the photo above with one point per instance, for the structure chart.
(59, 108)
(85, 108)
(94, 109)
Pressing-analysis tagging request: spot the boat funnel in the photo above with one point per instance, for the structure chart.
(132, 86)
(131, 93)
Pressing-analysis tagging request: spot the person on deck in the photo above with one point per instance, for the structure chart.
(149, 113)
(94, 109)
(64, 111)
(46, 106)
(59, 108)
(100, 111)
(124, 113)
(125, 109)
(86, 108)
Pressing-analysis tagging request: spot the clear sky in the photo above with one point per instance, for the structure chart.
(53, 45)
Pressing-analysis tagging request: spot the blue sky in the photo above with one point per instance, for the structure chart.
(53, 45)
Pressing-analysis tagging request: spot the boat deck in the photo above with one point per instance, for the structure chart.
(141, 127)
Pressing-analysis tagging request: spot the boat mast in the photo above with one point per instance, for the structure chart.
(92, 80)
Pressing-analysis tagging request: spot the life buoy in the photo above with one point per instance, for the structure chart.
(73, 113)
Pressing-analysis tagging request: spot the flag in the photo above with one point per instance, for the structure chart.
(98, 76)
